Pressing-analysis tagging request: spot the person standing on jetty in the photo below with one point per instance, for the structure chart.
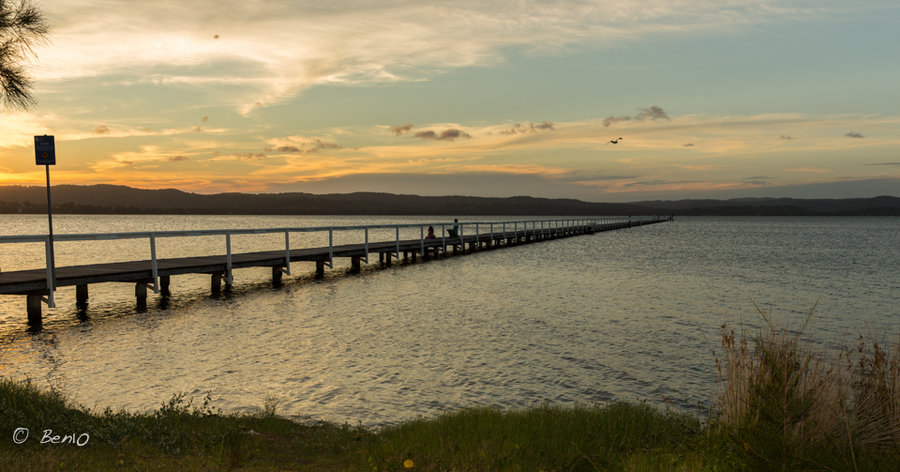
(454, 233)
(430, 234)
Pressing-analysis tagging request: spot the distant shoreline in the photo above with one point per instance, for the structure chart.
(121, 200)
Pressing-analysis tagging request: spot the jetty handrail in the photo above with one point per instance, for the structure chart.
(152, 236)
(233, 231)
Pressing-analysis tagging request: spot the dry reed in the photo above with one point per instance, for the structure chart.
(786, 406)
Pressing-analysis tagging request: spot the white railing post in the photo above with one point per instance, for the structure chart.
(476, 235)
(397, 253)
(422, 240)
(367, 245)
(443, 241)
(287, 252)
(228, 278)
(331, 248)
(154, 267)
(51, 273)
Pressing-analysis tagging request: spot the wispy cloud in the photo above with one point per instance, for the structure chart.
(652, 113)
(446, 135)
(205, 42)
(854, 135)
(399, 130)
(301, 145)
(518, 128)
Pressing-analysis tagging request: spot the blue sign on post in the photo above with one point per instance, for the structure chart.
(44, 151)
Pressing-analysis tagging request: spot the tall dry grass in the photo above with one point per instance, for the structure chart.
(787, 406)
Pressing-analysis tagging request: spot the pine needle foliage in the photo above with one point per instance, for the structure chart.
(22, 26)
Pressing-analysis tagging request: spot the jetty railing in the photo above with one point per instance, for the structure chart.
(533, 228)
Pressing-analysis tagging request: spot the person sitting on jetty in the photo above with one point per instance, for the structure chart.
(454, 233)
(430, 234)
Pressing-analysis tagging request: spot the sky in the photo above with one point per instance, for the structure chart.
(702, 98)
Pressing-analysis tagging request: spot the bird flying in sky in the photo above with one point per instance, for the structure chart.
(615, 141)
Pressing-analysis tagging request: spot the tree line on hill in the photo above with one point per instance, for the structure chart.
(114, 199)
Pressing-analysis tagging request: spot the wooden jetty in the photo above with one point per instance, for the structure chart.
(38, 285)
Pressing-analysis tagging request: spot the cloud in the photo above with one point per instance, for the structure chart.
(854, 134)
(204, 119)
(809, 170)
(884, 164)
(615, 119)
(658, 182)
(177, 158)
(786, 137)
(446, 135)
(398, 130)
(301, 145)
(758, 180)
(531, 128)
(278, 49)
(688, 145)
(102, 129)
(652, 113)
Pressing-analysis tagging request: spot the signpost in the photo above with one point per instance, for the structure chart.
(45, 155)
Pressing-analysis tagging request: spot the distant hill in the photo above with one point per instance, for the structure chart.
(103, 199)
(875, 206)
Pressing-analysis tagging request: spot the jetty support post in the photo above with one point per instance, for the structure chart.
(33, 305)
(355, 264)
(320, 268)
(421, 243)
(81, 296)
(215, 283)
(140, 293)
(164, 281)
(276, 275)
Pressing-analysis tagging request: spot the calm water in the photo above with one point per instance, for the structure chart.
(631, 315)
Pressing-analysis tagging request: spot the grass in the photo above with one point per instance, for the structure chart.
(783, 406)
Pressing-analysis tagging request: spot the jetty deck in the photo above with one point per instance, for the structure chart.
(38, 285)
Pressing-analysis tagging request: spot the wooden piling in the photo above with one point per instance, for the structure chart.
(355, 264)
(277, 271)
(164, 281)
(140, 293)
(320, 268)
(33, 303)
(215, 284)
(81, 295)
